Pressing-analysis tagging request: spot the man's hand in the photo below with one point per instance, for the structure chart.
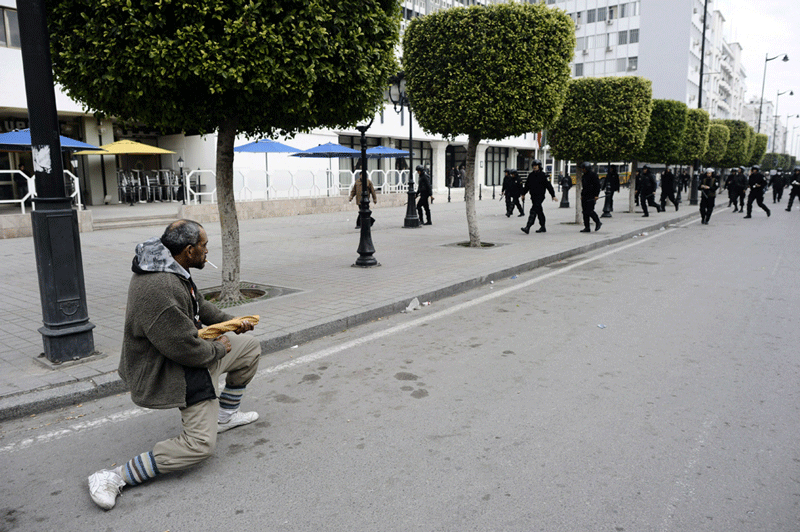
(554, 198)
(244, 327)
(224, 341)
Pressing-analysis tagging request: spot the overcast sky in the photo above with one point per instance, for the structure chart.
(769, 27)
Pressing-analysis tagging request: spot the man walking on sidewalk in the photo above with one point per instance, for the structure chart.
(646, 189)
(536, 184)
(590, 192)
(165, 364)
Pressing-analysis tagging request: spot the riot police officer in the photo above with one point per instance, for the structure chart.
(512, 187)
(646, 190)
(536, 184)
(776, 182)
(590, 191)
(794, 182)
(708, 195)
(611, 186)
(668, 189)
(757, 184)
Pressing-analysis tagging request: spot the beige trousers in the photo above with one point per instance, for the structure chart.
(199, 437)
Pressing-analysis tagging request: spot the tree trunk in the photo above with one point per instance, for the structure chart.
(578, 188)
(228, 219)
(469, 193)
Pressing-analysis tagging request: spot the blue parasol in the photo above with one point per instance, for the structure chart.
(20, 139)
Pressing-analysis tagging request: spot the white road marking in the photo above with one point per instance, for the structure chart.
(319, 355)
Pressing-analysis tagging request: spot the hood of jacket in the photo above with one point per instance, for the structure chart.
(153, 256)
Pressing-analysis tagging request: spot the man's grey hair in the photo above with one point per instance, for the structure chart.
(179, 234)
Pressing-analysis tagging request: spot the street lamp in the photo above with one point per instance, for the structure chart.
(366, 249)
(399, 98)
(767, 59)
(183, 181)
(775, 126)
(786, 137)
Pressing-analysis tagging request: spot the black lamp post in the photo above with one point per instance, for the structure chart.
(775, 126)
(399, 98)
(183, 181)
(366, 249)
(767, 59)
(67, 331)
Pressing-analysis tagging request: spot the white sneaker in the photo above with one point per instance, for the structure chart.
(104, 486)
(236, 420)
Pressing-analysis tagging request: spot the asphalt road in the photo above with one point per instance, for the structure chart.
(652, 386)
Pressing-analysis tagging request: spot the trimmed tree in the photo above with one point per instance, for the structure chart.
(603, 119)
(231, 66)
(737, 153)
(758, 147)
(507, 76)
(718, 137)
(695, 139)
(664, 137)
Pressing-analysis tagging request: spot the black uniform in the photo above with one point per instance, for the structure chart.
(777, 184)
(685, 179)
(424, 192)
(589, 193)
(512, 187)
(740, 182)
(794, 182)
(611, 186)
(730, 186)
(757, 184)
(536, 185)
(708, 195)
(668, 189)
(646, 188)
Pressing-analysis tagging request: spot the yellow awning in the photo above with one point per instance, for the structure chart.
(126, 147)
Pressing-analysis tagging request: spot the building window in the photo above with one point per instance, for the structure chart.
(495, 165)
(578, 70)
(634, 36)
(612, 12)
(590, 16)
(622, 37)
(623, 10)
(601, 14)
(622, 63)
(9, 28)
(633, 63)
(580, 43)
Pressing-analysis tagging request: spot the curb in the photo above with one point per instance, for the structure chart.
(61, 395)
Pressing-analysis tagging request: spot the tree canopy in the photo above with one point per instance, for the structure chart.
(737, 152)
(665, 134)
(603, 119)
(718, 137)
(758, 147)
(273, 66)
(488, 72)
(231, 66)
(695, 139)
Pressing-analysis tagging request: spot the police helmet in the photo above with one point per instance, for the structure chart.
(420, 168)
(646, 167)
(755, 167)
(586, 165)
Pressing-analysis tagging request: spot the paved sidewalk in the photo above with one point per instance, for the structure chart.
(313, 254)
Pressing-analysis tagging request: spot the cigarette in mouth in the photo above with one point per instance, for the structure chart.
(211, 263)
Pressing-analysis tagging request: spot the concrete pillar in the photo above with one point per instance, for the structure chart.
(439, 169)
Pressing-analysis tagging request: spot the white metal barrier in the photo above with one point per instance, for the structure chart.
(195, 195)
(74, 194)
(256, 184)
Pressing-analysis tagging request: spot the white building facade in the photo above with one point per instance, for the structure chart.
(661, 41)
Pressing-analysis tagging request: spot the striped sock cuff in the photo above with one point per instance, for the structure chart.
(139, 469)
(231, 397)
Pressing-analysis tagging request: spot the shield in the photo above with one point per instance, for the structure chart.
(20, 140)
